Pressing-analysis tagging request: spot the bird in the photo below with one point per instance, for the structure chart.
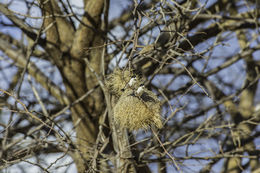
(132, 81)
(136, 107)
(140, 90)
(120, 80)
(142, 93)
(131, 84)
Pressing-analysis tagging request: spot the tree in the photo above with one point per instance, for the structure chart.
(199, 58)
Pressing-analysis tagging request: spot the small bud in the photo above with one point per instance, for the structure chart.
(147, 49)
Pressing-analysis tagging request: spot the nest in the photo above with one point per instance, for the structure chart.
(118, 80)
(133, 110)
(134, 113)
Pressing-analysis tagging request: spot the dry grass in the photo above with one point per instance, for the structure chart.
(117, 81)
(133, 113)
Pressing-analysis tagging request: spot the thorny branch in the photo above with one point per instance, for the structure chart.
(200, 59)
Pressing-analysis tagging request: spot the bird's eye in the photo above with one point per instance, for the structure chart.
(122, 89)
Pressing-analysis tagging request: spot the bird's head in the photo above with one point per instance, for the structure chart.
(132, 81)
(140, 90)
